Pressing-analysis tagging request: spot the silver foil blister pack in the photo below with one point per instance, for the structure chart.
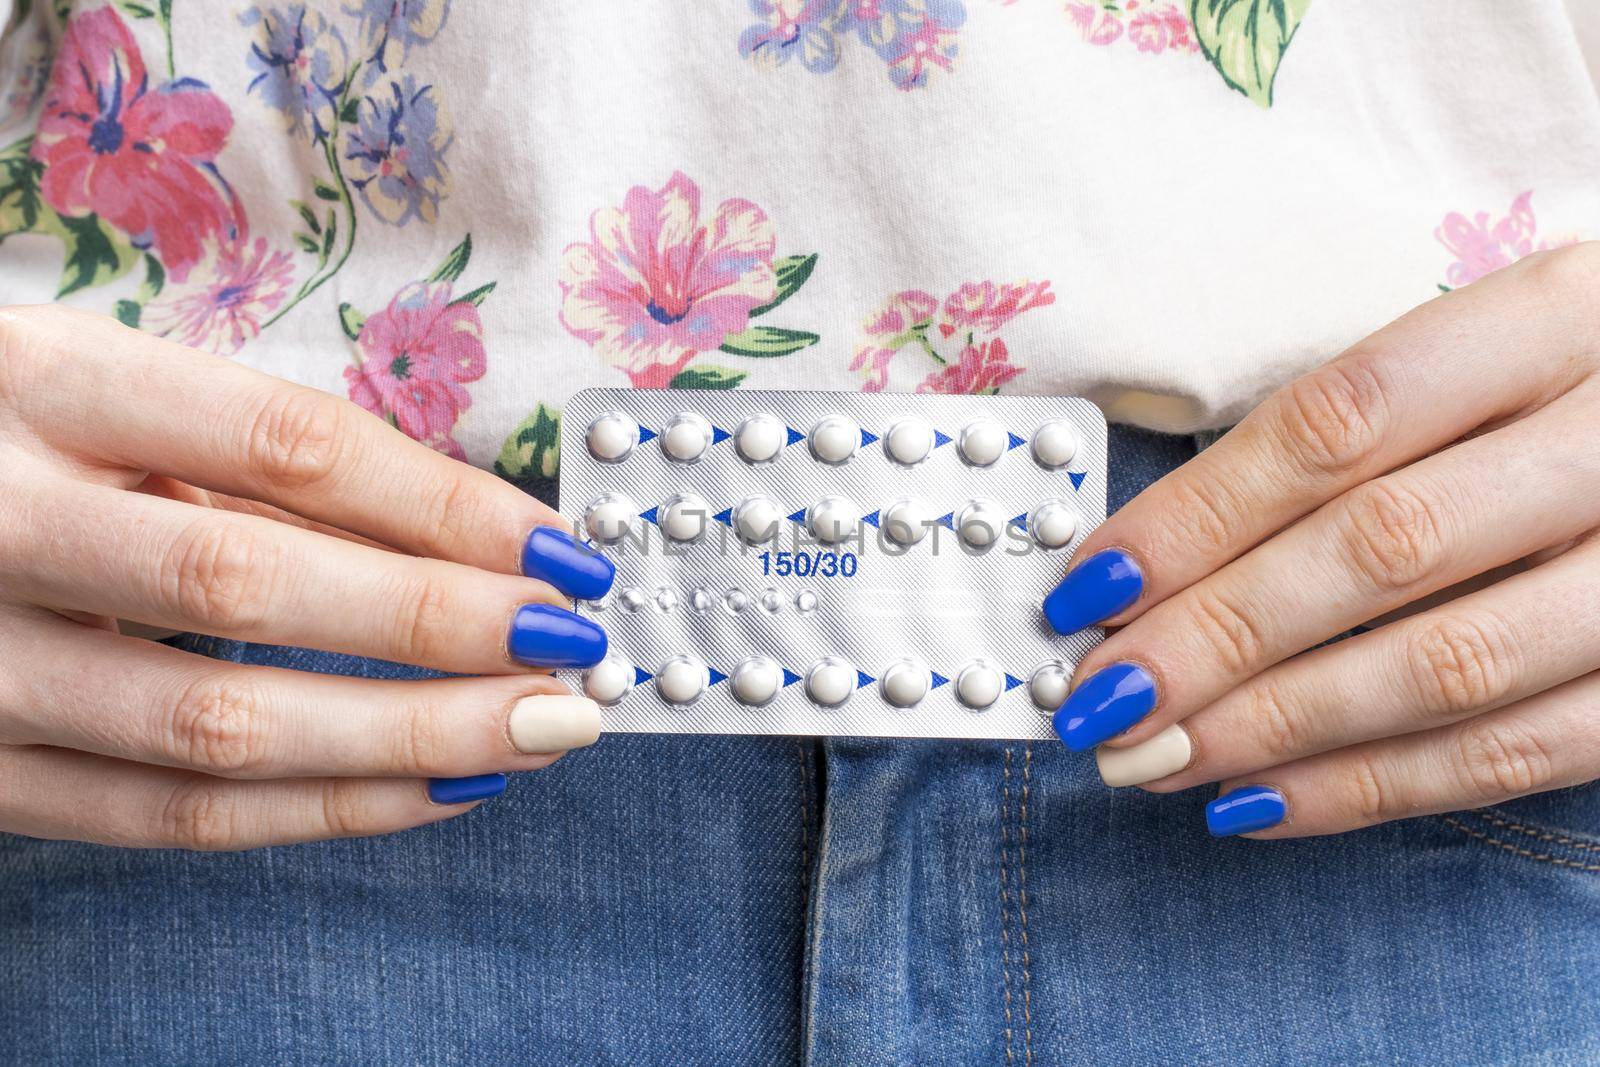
(796, 562)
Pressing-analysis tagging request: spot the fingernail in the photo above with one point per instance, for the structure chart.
(554, 723)
(545, 636)
(555, 556)
(466, 790)
(1107, 703)
(1254, 807)
(1093, 591)
(1165, 753)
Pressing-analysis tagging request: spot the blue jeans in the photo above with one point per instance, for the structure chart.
(729, 900)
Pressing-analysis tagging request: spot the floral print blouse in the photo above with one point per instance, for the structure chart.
(458, 214)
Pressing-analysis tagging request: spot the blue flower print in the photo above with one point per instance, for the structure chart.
(390, 28)
(396, 152)
(300, 61)
(806, 30)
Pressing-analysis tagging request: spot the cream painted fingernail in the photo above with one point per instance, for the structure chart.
(554, 723)
(1165, 753)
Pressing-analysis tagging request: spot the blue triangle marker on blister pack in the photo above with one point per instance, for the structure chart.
(948, 521)
(719, 435)
(649, 516)
(725, 516)
(799, 516)
(867, 438)
(1022, 521)
(646, 434)
(716, 675)
(1012, 683)
(795, 436)
(641, 676)
(871, 520)
(938, 679)
(863, 679)
(941, 439)
(789, 677)
(1077, 478)
(1015, 441)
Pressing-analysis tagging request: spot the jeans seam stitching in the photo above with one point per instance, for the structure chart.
(1540, 835)
(1022, 903)
(1005, 902)
(1515, 849)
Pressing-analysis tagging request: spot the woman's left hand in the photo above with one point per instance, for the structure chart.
(1446, 471)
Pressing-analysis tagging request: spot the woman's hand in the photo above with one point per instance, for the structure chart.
(1445, 470)
(144, 481)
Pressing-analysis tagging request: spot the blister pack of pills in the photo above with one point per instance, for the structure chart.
(862, 564)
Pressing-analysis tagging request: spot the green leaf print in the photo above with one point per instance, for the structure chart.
(94, 254)
(128, 312)
(351, 321)
(531, 456)
(1245, 40)
(706, 377)
(766, 341)
(454, 263)
(21, 207)
(792, 272)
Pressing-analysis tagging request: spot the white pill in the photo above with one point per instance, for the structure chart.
(979, 685)
(982, 442)
(980, 523)
(909, 441)
(612, 436)
(609, 517)
(666, 599)
(805, 602)
(833, 519)
(830, 682)
(1048, 686)
(681, 680)
(632, 599)
(757, 519)
(756, 681)
(905, 683)
(1055, 443)
(683, 518)
(609, 680)
(905, 522)
(759, 438)
(1053, 523)
(834, 439)
(686, 437)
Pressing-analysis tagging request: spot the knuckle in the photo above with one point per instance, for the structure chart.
(217, 576)
(1333, 419)
(216, 726)
(455, 515)
(296, 438)
(1570, 273)
(1370, 795)
(421, 622)
(1230, 636)
(1461, 664)
(1213, 520)
(422, 742)
(1393, 535)
(1500, 760)
(199, 815)
(1282, 732)
(344, 808)
(27, 345)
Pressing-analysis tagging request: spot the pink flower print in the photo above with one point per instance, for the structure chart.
(221, 307)
(654, 286)
(905, 310)
(1098, 24)
(141, 159)
(982, 369)
(414, 358)
(985, 307)
(1158, 28)
(1481, 248)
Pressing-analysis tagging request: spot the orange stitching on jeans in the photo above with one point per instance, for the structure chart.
(1542, 835)
(1005, 899)
(1022, 896)
(805, 826)
(1517, 850)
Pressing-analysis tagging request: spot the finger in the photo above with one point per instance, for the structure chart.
(1455, 514)
(70, 687)
(162, 563)
(248, 434)
(1438, 372)
(61, 795)
(1542, 743)
(1523, 636)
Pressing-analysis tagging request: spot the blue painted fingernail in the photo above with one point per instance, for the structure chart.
(555, 556)
(1093, 591)
(545, 636)
(1254, 807)
(466, 790)
(1107, 703)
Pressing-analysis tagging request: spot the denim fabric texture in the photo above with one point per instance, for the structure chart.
(727, 900)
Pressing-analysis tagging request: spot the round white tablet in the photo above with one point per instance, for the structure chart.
(632, 599)
(1055, 443)
(905, 683)
(756, 519)
(686, 437)
(681, 680)
(982, 442)
(609, 680)
(683, 517)
(756, 681)
(666, 599)
(830, 681)
(909, 440)
(905, 522)
(980, 523)
(609, 517)
(834, 439)
(1048, 686)
(979, 685)
(1053, 523)
(759, 438)
(612, 436)
(832, 519)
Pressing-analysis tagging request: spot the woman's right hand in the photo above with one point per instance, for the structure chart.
(144, 481)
